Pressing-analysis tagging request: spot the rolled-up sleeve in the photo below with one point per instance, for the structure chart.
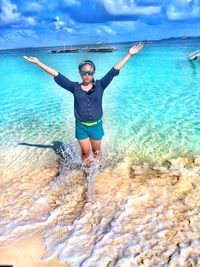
(105, 81)
(64, 82)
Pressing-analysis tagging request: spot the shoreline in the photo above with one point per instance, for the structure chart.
(157, 205)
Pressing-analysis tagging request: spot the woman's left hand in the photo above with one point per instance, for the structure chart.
(135, 49)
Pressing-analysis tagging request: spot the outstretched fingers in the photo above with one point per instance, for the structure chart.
(31, 59)
(136, 48)
(140, 45)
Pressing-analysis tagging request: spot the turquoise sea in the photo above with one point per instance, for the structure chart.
(151, 110)
(130, 212)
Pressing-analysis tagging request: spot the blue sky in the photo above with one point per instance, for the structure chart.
(50, 23)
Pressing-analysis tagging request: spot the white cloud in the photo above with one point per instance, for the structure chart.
(124, 25)
(72, 2)
(29, 33)
(196, 8)
(107, 30)
(115, 28)
(174, 14)
(122, 7)
(69, 30)
(103, 29)
(30, 21)
(20, 35)
(61, 25)
(10, 15)
(190, 9)
(9, 12)
(33, 6)
(24, 22)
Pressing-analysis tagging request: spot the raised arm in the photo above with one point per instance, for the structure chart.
(132, 51)
(58, 77)
(46, 68)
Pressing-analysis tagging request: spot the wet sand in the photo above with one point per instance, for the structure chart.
(137, 215)
(28, 253)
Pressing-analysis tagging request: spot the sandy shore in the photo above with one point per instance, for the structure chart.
(28, 253)
(137, 215)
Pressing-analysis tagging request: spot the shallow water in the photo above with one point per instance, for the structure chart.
(151, 110)
(141, 207)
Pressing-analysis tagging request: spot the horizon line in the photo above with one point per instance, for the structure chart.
(75, 45)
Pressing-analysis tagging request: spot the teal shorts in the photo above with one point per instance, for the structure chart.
(95, 132)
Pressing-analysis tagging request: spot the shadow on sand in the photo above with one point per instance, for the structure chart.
(57, 146)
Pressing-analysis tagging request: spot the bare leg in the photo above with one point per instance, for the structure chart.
(85, 150)
(96, 148)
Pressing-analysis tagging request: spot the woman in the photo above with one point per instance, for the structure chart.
(88, 101)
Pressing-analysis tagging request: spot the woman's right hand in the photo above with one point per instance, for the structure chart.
(34, 60)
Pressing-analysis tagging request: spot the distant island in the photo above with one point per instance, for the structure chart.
(184, 37)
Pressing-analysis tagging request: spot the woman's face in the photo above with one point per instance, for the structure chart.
(87, 73)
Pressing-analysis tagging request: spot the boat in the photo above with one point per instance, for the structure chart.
(65, 50)
(195, 55)
(99, 48)
(71, 50)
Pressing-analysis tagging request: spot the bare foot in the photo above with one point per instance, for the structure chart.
(98, 155)
(86, 163)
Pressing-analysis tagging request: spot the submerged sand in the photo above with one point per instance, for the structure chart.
(135, 215)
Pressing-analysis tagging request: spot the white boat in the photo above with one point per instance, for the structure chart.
(195, 55)
(99, 48)
(65, 50)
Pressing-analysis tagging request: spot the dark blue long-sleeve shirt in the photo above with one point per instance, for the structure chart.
(87, 104)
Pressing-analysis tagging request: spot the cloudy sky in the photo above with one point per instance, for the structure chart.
(57, 22)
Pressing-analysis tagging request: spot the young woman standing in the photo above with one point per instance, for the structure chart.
(88, 101)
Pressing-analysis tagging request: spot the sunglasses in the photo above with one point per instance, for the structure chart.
(90, 73)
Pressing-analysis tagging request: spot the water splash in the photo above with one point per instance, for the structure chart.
(139, 215)
(136, 215)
